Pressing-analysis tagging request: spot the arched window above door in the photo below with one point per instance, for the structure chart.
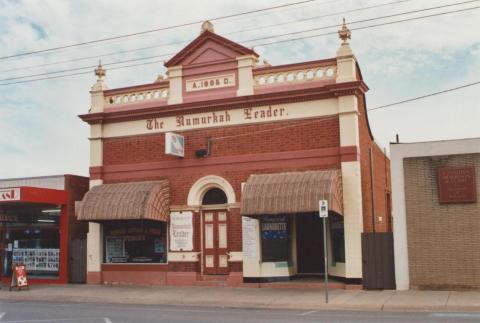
(204, 184)
(214, 196)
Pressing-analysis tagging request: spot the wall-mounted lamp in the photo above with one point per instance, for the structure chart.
(200, 153)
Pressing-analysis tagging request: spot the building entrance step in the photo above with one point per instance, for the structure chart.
(214, 278)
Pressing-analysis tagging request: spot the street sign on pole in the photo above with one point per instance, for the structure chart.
(323, 213)
(323, 208)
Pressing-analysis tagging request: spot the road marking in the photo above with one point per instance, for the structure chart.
(62, 320)
(2, 315)
(308, 313)
(455, 315)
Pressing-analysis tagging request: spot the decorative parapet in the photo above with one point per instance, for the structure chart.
(132, 95)
(296, 75)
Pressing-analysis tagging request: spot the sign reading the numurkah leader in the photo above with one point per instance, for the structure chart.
(457, 185)
(181, 231)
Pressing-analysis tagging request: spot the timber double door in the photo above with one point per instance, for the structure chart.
(215, 246)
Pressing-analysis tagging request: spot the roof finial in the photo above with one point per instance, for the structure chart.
(100, 71)
(344, 33)
(207, 26)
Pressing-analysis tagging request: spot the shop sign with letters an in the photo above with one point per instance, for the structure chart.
(10, 194)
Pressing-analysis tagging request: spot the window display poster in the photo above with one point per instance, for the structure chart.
(37, 259)
(275, 238)
(115, 248)
(274, 227)
(158, 246)
(249, 232)
(181, 231)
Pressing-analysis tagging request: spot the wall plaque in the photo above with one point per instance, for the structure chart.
(249, 237)
(181, 231)
(456, 185)
(208, 83)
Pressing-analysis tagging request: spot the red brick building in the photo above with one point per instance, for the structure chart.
(262, 145)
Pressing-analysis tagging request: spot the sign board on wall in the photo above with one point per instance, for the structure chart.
(10, 194)
(223, 118)
(249, 237)
(174, 144)
(208, 83)
(181, 231)
(8, 218)
(456, 185)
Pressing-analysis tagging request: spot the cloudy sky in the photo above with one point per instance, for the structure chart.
(40, 133)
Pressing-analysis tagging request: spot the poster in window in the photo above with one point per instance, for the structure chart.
(158, 246)
(115, 248)
(249, 237)
(275, 238)
(181, 231)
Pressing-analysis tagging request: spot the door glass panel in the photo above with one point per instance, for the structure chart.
(208, 236)
(208, 217)
(223, 261)
(209, 261)
(222, 235)
(222, 216)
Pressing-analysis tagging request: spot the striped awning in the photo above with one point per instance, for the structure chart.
(295, 192)
(126, 201)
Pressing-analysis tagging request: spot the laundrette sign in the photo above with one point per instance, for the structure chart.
(10, 194)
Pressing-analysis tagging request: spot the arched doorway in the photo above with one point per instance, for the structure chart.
(214, 227)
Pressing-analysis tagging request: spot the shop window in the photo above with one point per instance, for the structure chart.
(337, 236)
(214, 196)
(276, 236)
(32, 237)
(135, 242)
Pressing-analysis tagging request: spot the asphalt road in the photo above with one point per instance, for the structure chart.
(25, 312)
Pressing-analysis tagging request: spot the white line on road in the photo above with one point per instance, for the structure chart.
(456, 315)
(62, 320)
(308, 313)
(107, 320)
(2, 315)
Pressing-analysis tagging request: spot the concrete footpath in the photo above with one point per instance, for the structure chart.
(305, 299)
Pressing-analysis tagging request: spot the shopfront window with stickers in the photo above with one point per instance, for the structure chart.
(139, 241)
(275, 233)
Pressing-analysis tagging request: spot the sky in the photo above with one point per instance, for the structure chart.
(41, 134)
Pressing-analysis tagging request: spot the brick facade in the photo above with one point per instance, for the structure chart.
(381, 174)
(286, 118)
(228, 141)
(76, 186)
(443, 239)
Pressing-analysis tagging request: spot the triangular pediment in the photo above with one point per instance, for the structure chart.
(209, 47)
(208, 54)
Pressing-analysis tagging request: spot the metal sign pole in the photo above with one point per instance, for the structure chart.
(326, 257)
(323, 213)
